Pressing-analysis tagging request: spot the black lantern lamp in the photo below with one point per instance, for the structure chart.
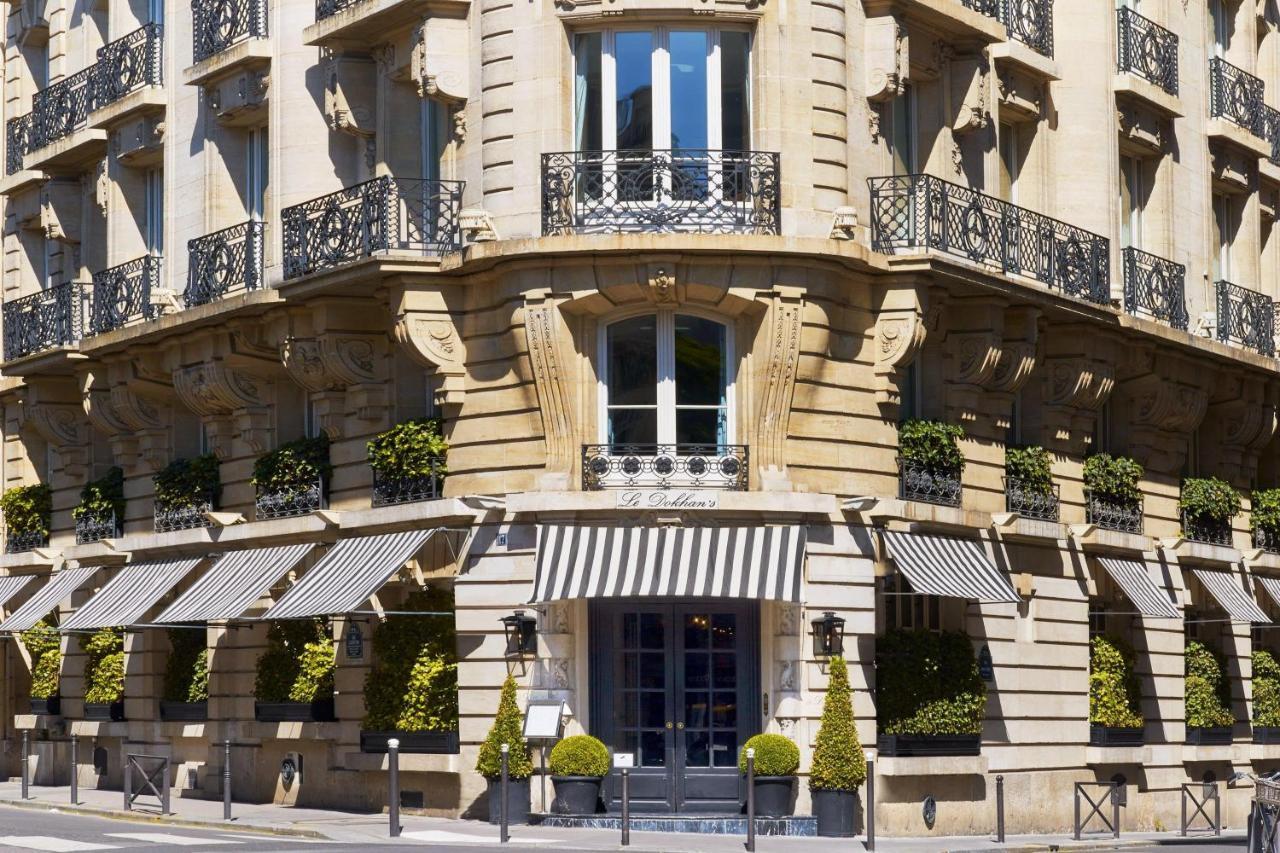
(828, 635)
(522, 633)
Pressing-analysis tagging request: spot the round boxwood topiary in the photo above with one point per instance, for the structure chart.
(776, 755)
(579, 755)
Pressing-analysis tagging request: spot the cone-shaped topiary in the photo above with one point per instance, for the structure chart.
(838, 762)
(506, 729)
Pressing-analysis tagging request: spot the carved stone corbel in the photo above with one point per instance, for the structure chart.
(886, 58)
(975, 334)
(1079, 377)
(222, 396)
(1239, 424)
(786, 320)
(131, 413)
(900, 331)
(1161, 408)
(542, 332)
(440, 60)
(51, 409)
(427, 331)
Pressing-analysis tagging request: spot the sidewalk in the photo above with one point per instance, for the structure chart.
(366, 828)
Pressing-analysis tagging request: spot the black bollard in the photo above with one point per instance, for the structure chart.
(393, 775)
(626, 807)
(26, 764)
(871, 804)
(226, 779)
(1000, 809)
(751, 800)
(75, 771)
(503, 834)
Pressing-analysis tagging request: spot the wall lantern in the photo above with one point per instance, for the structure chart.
(522, 633)
(828, 635)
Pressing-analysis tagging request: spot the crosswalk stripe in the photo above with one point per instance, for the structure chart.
(444, 836)
(50, 843)
(166, 838)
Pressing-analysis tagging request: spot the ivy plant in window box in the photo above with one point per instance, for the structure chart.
(294, 681)
(1264, 520)
(1029, 488)
(184, 491)
(290, 480)
(104, 674)
(1115, 716)
(930, 697)
(839, 764)
(1207, 696)
(186, 675)
(408, 462)
(1113, 497)
(1207, 505)
(930, 462)
(1266, 697)
(27, 513)
(507, 729)
(44, 644)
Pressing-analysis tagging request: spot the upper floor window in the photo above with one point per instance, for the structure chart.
(1224, 231)
(902, 132)
(1220, 21)
(256, 172)
(153, 225)
(1132, 196)
(1010, 161)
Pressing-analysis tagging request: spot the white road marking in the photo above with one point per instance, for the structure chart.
(166, 838)
(443, 836)
(50, 843)
(292, 839)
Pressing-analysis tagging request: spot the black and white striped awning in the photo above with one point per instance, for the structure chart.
(586, 561)
(942, 565)
(11, 585)
(1132, 577)
(1226, 588)
(53, 593)
(233, 584)
(349, 574)
(1272, 586)
(129, 595)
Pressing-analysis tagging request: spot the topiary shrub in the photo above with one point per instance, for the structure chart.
(1208, 499)
(187, 482)
(44, 645)
(1207, 692)
(409, 450)
(413, 684)
(776, 755)
(932, 445)
(1264, 512)
(1031, 467)
(186, 673)
(506, 729)
(578, 755)
(928, 684)
(101, 498)
(298, 663)
(1113, 479)
(27, 510)
(838, 761)
(294, 467)
(1266, 690)
(1114, 691)
(104, 666)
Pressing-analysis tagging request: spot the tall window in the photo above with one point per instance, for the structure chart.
(902, 132)
(1010, 161)
(1220, 21)
(1132, 194)
(434, 132)
(256, 172)
(666, 381)
(1224, 229)
(904, 609)
(154, 223)
(155, 11)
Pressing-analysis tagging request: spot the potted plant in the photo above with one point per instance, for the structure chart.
(1266, 697)
(44, 645)
(1115, 718)
(506, 729)
(411, 691)
(1264, 519)
(776, 762)
(1207, 697)
(930, 461)
(578, 765)
(408, 461)
(930, 697)
(1207, 505)
(1113, 498)
(294, 681)
(27, 514)
(186, 675)
(104, 675)
(184, 491)
(839, 765)
(290, 480)
(101, 508)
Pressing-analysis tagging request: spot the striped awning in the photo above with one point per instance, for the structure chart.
(942, 565)
(129, 595)
(11, 585)
(585, 561)
(1132, 577)
(348, 574)
(1227, 589)
(1272, 586)
(53, 593)
(233, 584)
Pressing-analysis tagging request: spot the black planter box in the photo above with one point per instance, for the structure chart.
(1218, 736)
(104, 712)
(576, 795)
(1115, 736)
(1266, 734)
(418, 743)
(184, 711)
(50, 707)
(517, 801)
(924, 745)
(319, 711)
(775, 796)
(837, 813)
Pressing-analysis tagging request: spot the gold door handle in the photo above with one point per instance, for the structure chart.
(669, 725)
(680, 726)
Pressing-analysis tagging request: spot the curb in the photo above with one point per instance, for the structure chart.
(142, 817)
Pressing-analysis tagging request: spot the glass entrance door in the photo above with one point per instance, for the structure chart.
(674, 684)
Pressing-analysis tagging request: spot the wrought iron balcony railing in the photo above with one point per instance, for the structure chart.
(185, 516)
(1236, 96)
(63, 108)
(1112, 515)
(684, 191)
(1147, 50)
(44, 320)
(1030, 22)
(218, 24)
(1266, 540)
(128, 64)
(921, 212)
(1271, 131)
(403, 490)
(224, 262)
(329, 8)
(1031, 502)
(18, 136)
(1207, 530)
(122, 294)
(664, 466)
(917, 482)
(96, 528)
(376, 216)
(16, 543)
(1246, 317)
(1154, 287)
(289, 501)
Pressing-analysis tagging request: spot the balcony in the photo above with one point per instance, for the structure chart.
(45, 320)
(290, 501)
(923, 213)
(1271, 128)
(1147, 50)
(402, 490)
(1246, 317)
(1110, 515)
(184, 516)
(1236, 108)
(664, 466)
(384, 214)
(123, 294)
(19, 133)
(1206, 531)
(686, 191)
(1266, 540)
(226, 261)
(1030, 502)
(218, 24)
(1155, 288)
(129, 64)
(1028, 21)
(18, 543)
(95, 529)
(917, 482)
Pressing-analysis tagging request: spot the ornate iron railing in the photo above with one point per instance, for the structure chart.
(16, 543)
(218, 24)
(1154, 287)
(96, 528)
(122, 294)
(403, 490)
(1110, 515)
(990, 8)
(1030, 22)
(289, 501)
(1271, 131)
(664, 466)
(686, 190)
(44, 320)
(1266, 540)
(63, 108)
(184, 517)
(1246, 317)
(128, 64)
(1030, 502)
(224, 262)
(329, 8)
(1147, 49)
(917, 482)
(18, 137)
(1210, 531)
(379, 215)
(921, 212)
(1235, 95)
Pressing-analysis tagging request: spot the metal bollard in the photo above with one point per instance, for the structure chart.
(871, 803)
(128, 780)
(503, 834)
(393, 776)
(75, 771)
(164, 790)
(1115, 811)
(751, 800)
(626, 807)
(1000, 809)
(26, 764)
(226, 779)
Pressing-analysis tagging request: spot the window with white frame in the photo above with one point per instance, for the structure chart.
(256, 172)
(907, 611)
(1132, 197)
(1225, 223)
(154, 201)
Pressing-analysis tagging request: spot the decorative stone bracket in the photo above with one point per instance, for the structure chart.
(542, 331)
(786, 322)
(1078, 378)
(50, 408)
(991, 350)
(885, 58)
(229, 402)
(440, 60)
(426, 329)
(344, 374)
(901, 327)
(1165, 399)
(1239, 424)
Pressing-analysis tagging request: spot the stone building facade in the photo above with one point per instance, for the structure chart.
(672, 273)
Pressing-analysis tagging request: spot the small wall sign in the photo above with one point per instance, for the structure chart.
(355, 643)
(624, 759)
(667, 499)
(986, 669)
